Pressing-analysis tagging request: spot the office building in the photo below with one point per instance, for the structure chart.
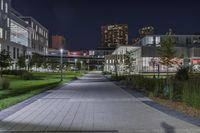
(149, 30)
(146, 58)
(38, 35)
(114, 35)
(58, 42)
(20, 35)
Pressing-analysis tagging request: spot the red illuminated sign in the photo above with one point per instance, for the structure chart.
(77, 53)
(196, 61)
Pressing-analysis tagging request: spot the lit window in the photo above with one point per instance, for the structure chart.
(18, 33)
(1, 4)
(8, 22)
(32, 24)
(1, 33)
(6, 34)
(6, 7)
(36, 28)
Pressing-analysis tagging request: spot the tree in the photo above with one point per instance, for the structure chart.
(53, 64)
(32, 60)
(45, 63)
(167, 55)
(21, 62)
(79, 65)
(5, 60)
(36, 60)
(167, 51)
(39, 61)
(128, 61)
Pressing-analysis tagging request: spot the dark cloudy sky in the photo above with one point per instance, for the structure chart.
(80, 20)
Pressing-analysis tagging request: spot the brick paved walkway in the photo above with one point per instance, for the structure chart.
(96, 105)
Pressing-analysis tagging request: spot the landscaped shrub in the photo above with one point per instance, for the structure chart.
(182, 74)
(118, 78)
(191, 92)
(27, 76)
(13, 72)
(175, 88)
(4, 84)
(106, 73)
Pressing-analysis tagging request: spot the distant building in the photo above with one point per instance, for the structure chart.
(146, 59)
(149, 30)
(38, 34)
(58, 42)
(146, 31)
(102, 52)
(20, 35)
(114, 35)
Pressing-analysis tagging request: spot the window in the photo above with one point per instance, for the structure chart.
(32, 24)
(6, 7)
(17, 52)
(8, 48)
(1, 33)
(8, 22)
(18, 33)
(6, 34)
(36, 28)
(1, 4)
(14, 52)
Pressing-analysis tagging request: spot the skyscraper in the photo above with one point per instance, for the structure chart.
(144, 31)
(114, 35)
(58, 42)
(149, 30)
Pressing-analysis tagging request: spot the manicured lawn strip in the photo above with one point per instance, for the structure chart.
(10, 101)
(21, 90)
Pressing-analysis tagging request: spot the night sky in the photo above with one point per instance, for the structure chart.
(80, 21)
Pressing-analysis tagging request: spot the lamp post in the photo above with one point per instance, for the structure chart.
(61, 64)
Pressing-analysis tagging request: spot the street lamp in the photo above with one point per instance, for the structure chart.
(61, 64)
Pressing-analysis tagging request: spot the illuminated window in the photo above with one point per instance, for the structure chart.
(1, 4)
(1, 33)
(6, 34)
(6, 7)
(32, 24)
(157, 40)
(36, 28)
(8, 22)
(18, 33)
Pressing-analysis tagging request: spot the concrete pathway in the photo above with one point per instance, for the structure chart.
(95, 105)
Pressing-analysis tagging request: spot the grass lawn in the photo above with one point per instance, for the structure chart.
(21, 90)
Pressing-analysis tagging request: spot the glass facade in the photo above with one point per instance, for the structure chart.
(18, 34)
(148, 40)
